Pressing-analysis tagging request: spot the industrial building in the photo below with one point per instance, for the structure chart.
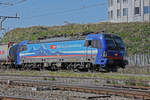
(128, 10)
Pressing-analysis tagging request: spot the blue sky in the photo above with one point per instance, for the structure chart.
(53, 12)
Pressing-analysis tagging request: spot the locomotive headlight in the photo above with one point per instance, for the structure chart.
(104, 54)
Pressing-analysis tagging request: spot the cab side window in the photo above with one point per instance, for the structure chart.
(96, 44)
(88, 43)
(92, 43)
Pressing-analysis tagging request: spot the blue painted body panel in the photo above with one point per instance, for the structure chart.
(18, 53)
(58, 49)
(69, 48)
(55, 48)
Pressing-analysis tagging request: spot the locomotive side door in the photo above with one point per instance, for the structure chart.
(88, 51)
(92, 47)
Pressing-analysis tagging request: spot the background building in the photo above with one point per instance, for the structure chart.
(128, 10)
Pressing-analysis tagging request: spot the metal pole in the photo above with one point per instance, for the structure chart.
(4, 18)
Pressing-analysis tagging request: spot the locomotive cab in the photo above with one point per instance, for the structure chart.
(114, 52)
(14, 51)
(111, 50)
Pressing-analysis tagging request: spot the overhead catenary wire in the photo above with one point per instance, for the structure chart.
(6, 3)
(49, 13)
(65, 11)
(11, 3)
(19, 1)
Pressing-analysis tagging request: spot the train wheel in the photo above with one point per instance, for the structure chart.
(53, 67)
(26, 67)
(111, 68)
(115, 69)
(75, 67)
(122, 66)
(89, 67)
(108, 68)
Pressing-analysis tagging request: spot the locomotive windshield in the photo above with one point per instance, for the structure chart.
(119, 42)
(114, 43)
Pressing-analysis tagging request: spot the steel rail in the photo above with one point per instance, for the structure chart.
(85, 89)
(57, 80)
(14, 98)
(128, 86)
(61, 77)
(36, 83)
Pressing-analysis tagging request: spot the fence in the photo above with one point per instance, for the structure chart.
(139, 60)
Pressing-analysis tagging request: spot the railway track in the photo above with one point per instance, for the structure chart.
(128, 87)
(81, 80)
(7, 76)
(55, 83)
(14, 98)
(140, 94)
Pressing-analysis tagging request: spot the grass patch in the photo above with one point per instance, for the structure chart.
(116, 76)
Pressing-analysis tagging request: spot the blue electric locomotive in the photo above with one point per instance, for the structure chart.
(96, 51)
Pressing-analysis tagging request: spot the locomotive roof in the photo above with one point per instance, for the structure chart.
(58, 39)
(61, 39)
